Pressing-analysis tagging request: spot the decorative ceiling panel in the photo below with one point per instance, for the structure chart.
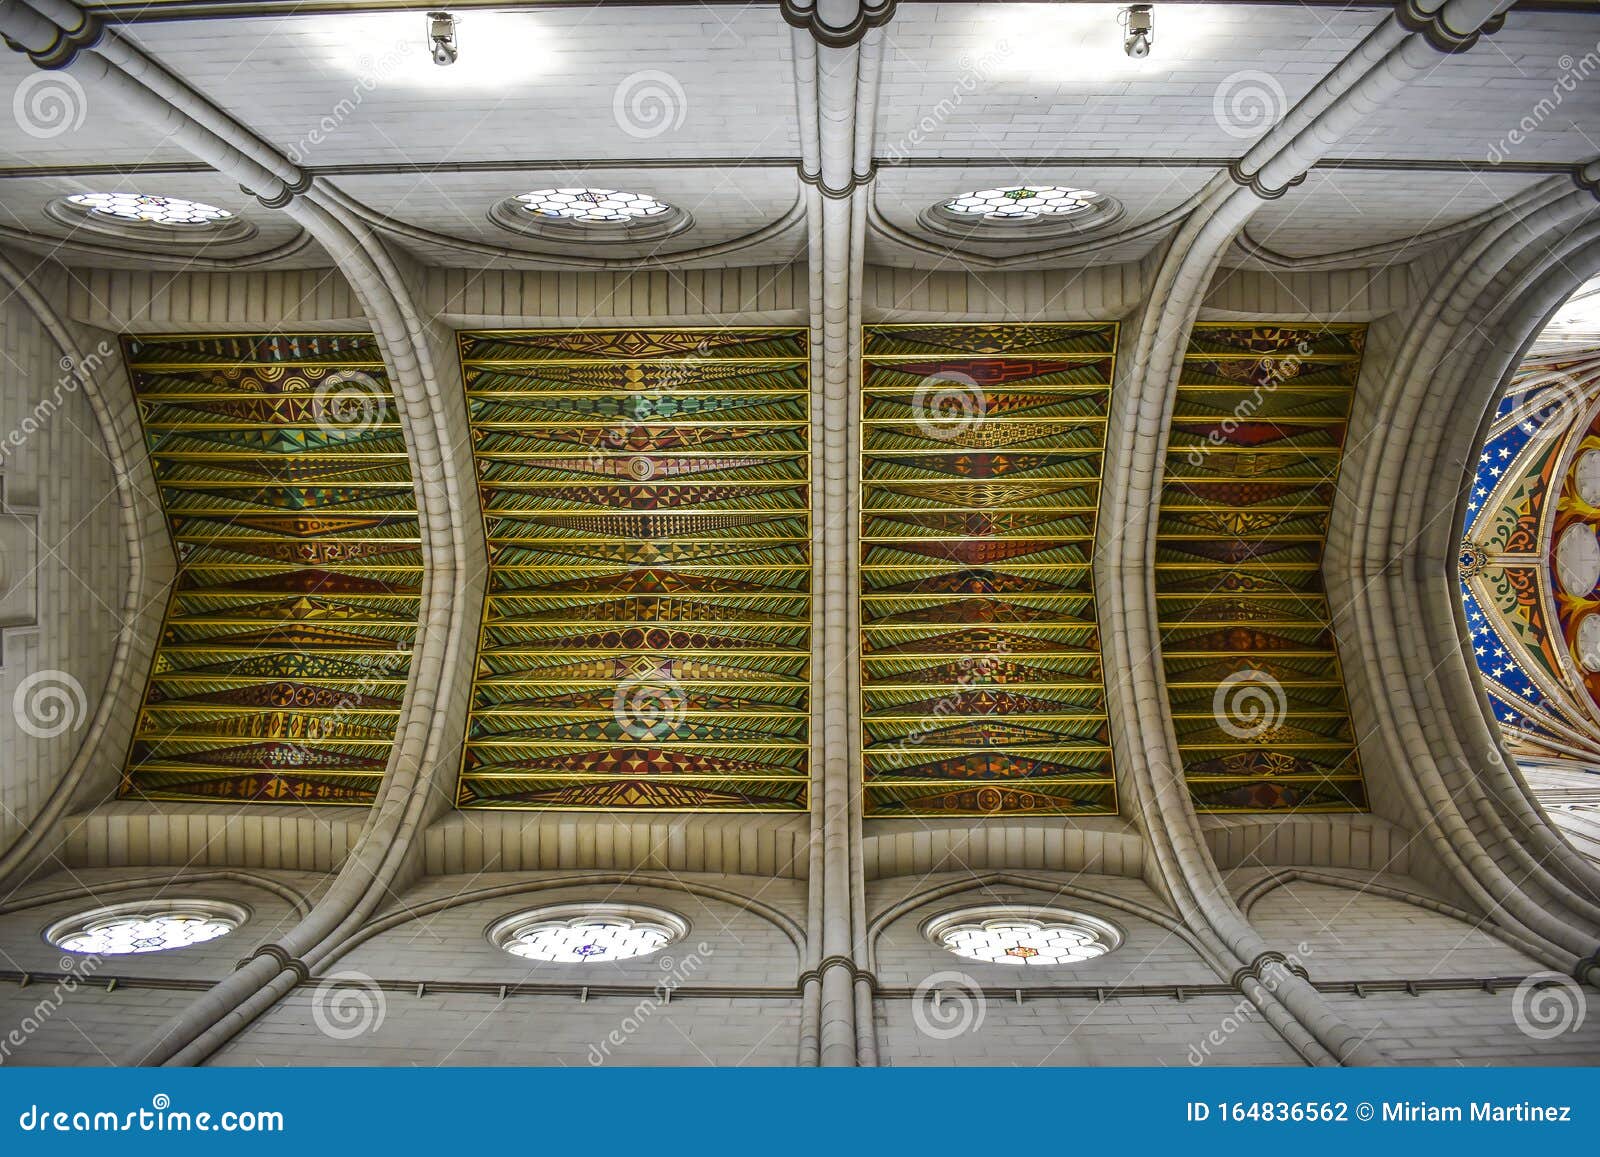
(286, 646)
(1252, 668)
(1537, 659)
(647, 635)
(981, 683)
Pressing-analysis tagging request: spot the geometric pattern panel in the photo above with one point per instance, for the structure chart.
(981, 684)
(646, 638)
(287, 491)
(1252, 668)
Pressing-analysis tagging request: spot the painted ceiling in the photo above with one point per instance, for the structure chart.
(284, 655)
(1252, 668)
(647, 632)
(1530, 562)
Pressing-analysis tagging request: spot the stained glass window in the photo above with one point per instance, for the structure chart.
(616, 206)
(1021, 202)
(587, 934)
(138, 207)
(127, 930)
(1040, 939)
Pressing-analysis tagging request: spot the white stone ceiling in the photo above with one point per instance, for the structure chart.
(696, 104)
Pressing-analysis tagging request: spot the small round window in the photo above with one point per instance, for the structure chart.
(1039, 937)
(148, 926)
(152, 210)
(587, 933)
(1022, 211)
(145, 217)
(589, 215)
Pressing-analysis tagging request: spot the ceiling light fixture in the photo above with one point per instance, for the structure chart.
(442, 38)
(1138, 30)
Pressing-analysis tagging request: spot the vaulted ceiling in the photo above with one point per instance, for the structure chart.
(697, 105)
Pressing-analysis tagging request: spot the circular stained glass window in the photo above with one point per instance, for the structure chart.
(1022, 202)
(588, 933)
(139, 207)
(1038, 937)
(152, 926)
(592, 205)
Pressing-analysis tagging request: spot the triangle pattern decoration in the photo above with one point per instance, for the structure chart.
(981, 684)
(1252, 667)
(286, 646)
(646, 641)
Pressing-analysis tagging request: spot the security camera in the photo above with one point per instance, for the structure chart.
(1139, 30)
(442, 37)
